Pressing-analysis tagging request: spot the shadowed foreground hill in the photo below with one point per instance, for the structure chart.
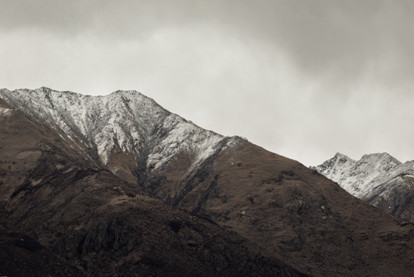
(297, 214)
(286, 208)
(21, 255)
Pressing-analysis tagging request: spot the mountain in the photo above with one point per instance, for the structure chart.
(125, 126)
(118, 185)
(379, 179)
(60, 206)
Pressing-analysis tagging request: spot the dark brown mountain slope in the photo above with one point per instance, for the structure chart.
(69, 209)
(21, 255)
(295, 213)
(292, 213)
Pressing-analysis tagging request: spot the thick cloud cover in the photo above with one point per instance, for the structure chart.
(304, 79)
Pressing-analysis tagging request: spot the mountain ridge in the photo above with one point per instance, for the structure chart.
(121, 216)
(355, 176)
(376, 178)
(79, 212)
(121, 122)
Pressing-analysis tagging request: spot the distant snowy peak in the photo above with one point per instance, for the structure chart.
(335, 166)
(126, 120)
(357, 176)
(380, 160)
(379, 179)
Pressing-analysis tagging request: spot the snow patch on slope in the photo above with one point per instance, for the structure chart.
(384, 184)
(4, 112)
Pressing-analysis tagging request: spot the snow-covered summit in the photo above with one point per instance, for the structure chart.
(357, 176)
(379, 179)
(331, 166)
(125, 120)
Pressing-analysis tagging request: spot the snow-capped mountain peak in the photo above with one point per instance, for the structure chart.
(379, 179)
(125, 120)
(356, 176)
(336, 167)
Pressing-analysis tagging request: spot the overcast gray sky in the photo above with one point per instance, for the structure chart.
(304, 79)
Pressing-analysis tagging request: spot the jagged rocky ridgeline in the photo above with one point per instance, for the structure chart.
(378, 179)
(124, 120)
(117, 185)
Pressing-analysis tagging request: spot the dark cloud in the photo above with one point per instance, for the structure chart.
(322, 37)
(302, 78)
